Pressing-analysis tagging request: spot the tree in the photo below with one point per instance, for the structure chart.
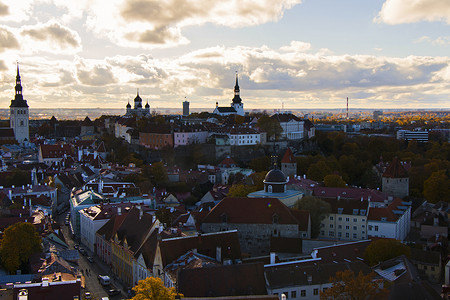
(240, 190)
(271, 126)
(334, 180)
(18, 243)
(318, 171)
(437, 187)
(153, 288)
(384, 249)
(317, 208)
(158, 173)
(260, 164)
(348, 286)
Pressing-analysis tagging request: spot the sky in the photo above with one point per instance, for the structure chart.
(291, 54)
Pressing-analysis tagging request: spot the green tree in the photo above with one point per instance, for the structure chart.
(158, 173)
(260, 164)
(271, 126)
(334, 180)
(18, 243)
(384, 249)
(240, 190)
(437, 187)
(348, 286)
(318, 210)
(153, 288)
(318, 171)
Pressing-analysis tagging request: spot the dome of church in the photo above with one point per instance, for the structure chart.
(138, 99)
(147, 105)
(128, 105)
(275, 176)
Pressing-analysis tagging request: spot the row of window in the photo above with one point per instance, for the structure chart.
(348, 227)
(346, 219)
(303, 293)
(19, 111)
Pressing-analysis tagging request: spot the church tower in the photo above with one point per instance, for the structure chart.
(19, 116)
(237, 101)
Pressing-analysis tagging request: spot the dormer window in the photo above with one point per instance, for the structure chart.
(275, 219)
(224, 218)
(340, 210)
(355, 211)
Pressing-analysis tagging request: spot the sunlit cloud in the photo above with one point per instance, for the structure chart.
(407, 11)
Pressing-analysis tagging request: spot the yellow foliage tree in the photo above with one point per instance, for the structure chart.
(153, 288)
(348, 286)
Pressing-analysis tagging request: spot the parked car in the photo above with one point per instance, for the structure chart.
(113, 292)
(83, 251)
(76, 246)
(90, 259)
(87, 295)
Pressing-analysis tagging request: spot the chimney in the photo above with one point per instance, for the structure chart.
(119, 211)
(10, 194)
(272, 257)
(283, 297)
(435, 221)
(218, 254)
(194, 250)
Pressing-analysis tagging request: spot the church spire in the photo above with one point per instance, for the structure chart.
(18, 87)
(237, 97)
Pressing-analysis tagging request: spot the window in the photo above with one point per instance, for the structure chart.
(303, 293)
(331, 218)
(354, 236)
(370, 227)
(339, 226)
(286, 294)
(347, 227)
(355, 220)
(354, 227)
(331, 233)
(339, 234)
(316, 292)
(275, 219)
(376, 228)
(322, 232)
(347, 219)
(363, 226)
(355, 211)
(331, 225)
(340, 218)
(293, 294)
(347, 235)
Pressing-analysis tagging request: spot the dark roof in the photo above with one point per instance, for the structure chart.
(352, 251)
(296, 274)
(285, 117)
(205, 244)
(285, 245)
(420, 256)
(6, 132)
(109, 229)
(55, 151)
(275, 175)
(395, 170)
(226, 109)
(229, 280)
(251, 211)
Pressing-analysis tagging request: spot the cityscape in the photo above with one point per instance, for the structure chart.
(199, 150)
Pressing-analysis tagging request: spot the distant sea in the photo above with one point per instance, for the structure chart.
(93, 113)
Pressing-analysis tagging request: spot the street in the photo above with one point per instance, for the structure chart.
(90, 270)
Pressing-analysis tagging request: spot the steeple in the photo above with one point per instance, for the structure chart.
(18, 100)
(237, 98)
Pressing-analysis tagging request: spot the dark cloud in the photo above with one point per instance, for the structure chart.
(97, 76)
(7, 40)
(54, 32)
(4, 9)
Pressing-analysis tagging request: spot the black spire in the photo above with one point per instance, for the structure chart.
(237, 98)
(18, 97)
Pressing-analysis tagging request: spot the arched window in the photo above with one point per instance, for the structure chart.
(269, 189)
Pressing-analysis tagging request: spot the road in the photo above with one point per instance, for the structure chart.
(91, 270)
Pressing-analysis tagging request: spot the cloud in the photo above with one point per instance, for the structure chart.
(97, 75)
(439, 41)
(4, 9)
(7, 40)
(54, 33)
(407, 11)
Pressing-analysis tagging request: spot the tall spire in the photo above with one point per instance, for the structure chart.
(237, 97)
(18, 87)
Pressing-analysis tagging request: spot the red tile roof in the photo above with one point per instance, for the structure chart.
(205, 244)
(288, 157)
(395, 170)
(55, 151)
(251, 211)
(352, 251)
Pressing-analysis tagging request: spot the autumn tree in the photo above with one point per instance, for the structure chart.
(271, 126)
(348, 286)
(384, 249)
(334, 180)
(318, 209)
(18, 243)
(240, 190)
(437, 187)
(153, 288)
